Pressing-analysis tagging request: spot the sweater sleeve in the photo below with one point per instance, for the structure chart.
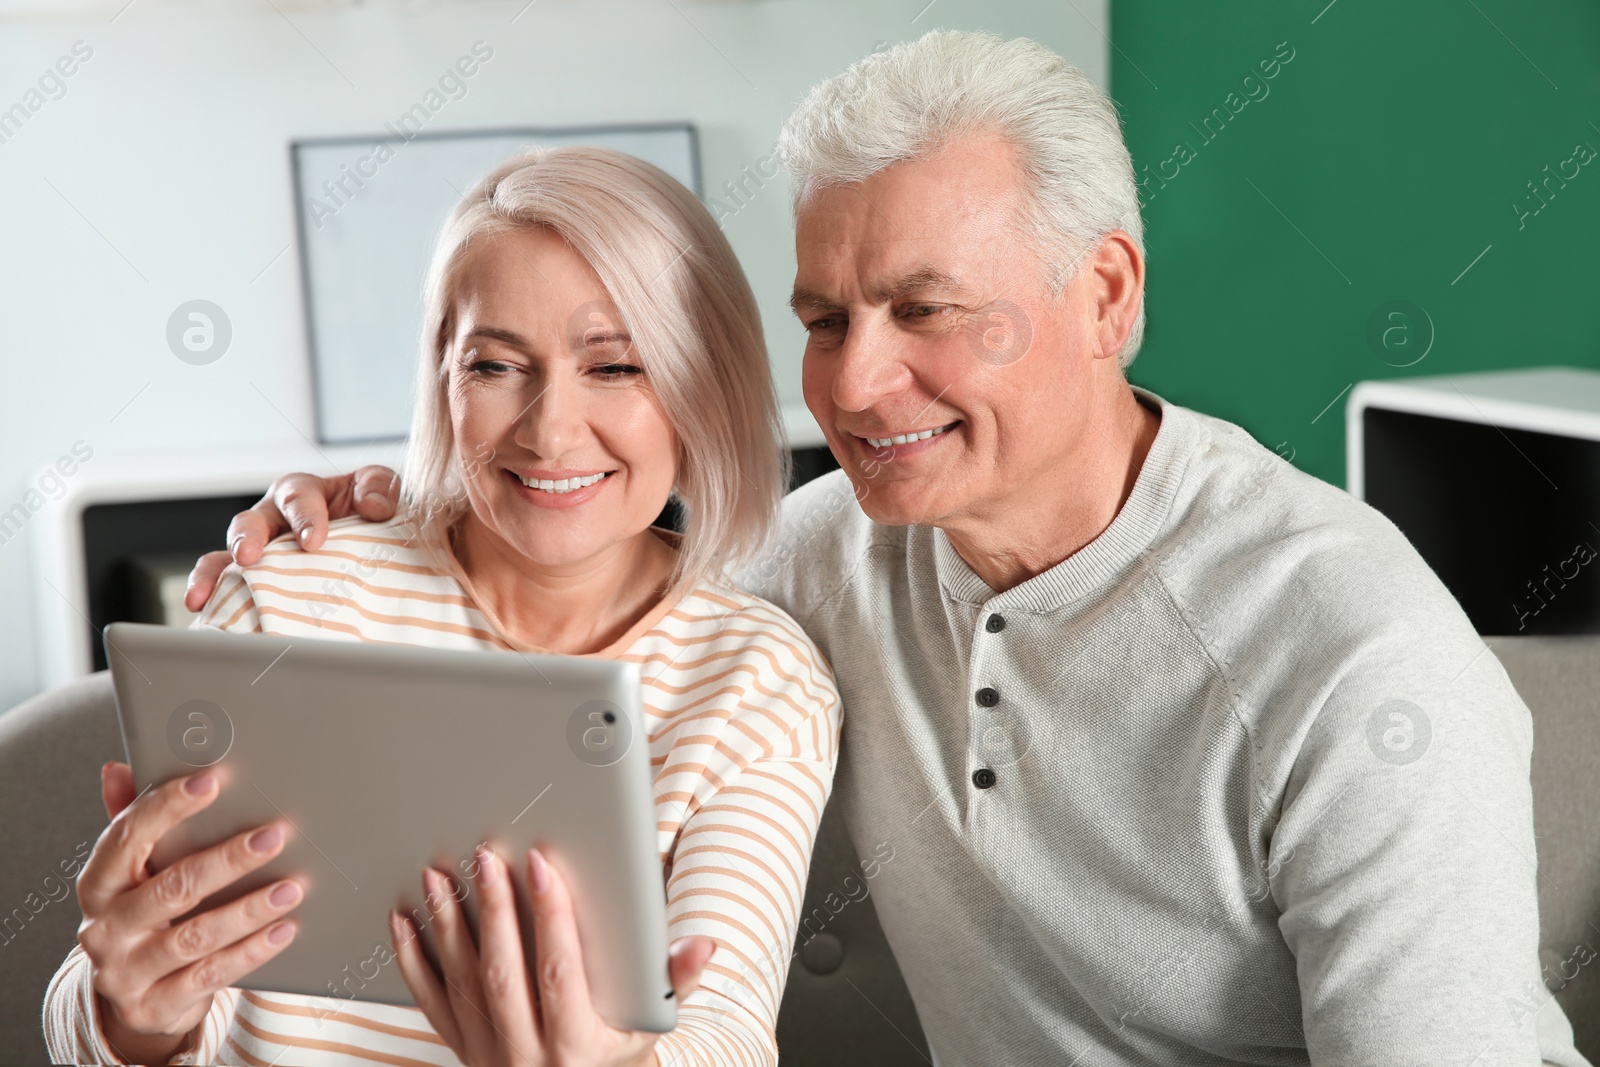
(72, 1022)
(1404, 867)
(738, 875)
(232, 605)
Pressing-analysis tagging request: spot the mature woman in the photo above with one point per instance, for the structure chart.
(590, 349)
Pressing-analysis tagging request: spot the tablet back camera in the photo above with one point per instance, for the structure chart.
(598, 733)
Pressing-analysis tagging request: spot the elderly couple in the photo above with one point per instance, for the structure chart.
(1185, 757)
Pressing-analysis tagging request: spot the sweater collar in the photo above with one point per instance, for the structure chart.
(1094, 565)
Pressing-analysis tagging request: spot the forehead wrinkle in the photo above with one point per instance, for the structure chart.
(920, 280)
(498, 333)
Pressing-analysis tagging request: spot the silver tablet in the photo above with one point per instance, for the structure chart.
(388, 758)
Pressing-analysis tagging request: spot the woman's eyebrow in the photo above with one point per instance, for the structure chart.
(496, 333)
(604, 335)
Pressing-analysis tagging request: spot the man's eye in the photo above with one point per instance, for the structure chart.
(924, 311)
(827, 322)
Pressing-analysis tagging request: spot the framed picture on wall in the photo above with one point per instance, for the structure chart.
(369, 210)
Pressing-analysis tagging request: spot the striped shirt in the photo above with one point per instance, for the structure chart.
(743, 721)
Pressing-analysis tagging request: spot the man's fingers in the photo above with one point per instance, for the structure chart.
(301, 504)
(116, 788)
(252, 528)
(203, 579)
(302, 499)
(563, 982)
(377, 493)
(686, 960)
(181, 887)
(119, 857)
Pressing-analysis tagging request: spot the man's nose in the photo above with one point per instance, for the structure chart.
(869, 367)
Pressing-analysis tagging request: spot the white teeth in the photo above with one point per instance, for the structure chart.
(563, 485)
(905, 438)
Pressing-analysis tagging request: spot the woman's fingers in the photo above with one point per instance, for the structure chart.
(179, 888)
(425, 986)
(503, 970)
(174, 994)
(116, 788)
(216, 928)
(119, 857)
(563, 983)
(686, 960)
(458, 966)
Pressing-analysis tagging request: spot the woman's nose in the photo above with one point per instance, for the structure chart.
(553, 422)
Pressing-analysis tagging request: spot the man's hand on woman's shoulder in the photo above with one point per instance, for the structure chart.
(304, 504)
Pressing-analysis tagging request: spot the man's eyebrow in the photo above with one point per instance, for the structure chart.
(920, 280)
(803, 299)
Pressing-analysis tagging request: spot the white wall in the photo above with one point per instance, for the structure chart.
(161, 175)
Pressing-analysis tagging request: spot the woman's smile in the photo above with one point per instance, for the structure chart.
(559, 489)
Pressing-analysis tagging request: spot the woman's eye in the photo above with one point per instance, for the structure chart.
(618, 370)
(487, 368)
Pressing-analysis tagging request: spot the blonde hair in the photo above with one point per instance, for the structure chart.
(912, 99)
(685, 302)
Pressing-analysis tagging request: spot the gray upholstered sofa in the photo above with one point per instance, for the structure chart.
(846, 1002)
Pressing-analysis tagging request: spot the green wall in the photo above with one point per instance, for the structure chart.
(1395, 146)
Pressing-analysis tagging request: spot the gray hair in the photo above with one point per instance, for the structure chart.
(908, 101)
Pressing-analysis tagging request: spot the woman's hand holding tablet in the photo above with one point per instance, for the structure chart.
(154, 977)
(485, 1010)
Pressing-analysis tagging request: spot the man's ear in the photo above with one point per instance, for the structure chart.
(1117, 271)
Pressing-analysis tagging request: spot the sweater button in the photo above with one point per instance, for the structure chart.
(995, 624)
(983, 778)
(988, 697)
(822, 953)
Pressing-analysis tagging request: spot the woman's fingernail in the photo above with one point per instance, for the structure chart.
(285, 894)
(434, 883)
(487, 875)
(304, 535)
(199, 785)
(281, 933)
(538, 872)
(265, 840)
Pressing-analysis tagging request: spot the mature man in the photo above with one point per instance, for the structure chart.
(1185, 756)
